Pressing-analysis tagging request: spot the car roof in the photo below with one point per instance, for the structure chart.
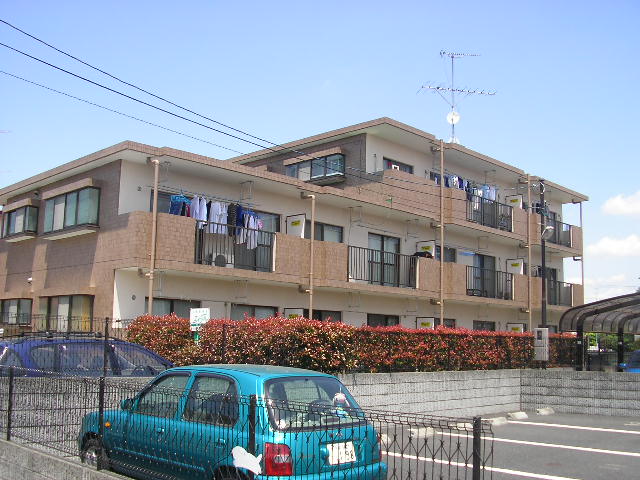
(41, 340)
(263, 371)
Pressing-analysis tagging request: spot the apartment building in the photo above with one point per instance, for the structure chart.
(389, 202)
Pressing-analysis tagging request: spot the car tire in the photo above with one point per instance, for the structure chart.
(92, 452)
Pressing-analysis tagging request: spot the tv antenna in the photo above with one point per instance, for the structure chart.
(453, 117)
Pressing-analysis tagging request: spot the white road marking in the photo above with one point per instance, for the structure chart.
(506, 471)
(577, 427)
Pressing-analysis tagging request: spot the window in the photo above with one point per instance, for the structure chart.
(167, 306)
(83, 358)
(164, 201)
(324, 315)
(67, 312)
(270, 221)
(239, 312)
(20, 220)
(44, 357)
(71, 209)
(484, 325)
(133, 360)
(163, 397)
(318, 168)
(324, 232)
(393, 165)
(449, 254)
(448, 322)
(16, 310)
(212, 400)
(378, 320)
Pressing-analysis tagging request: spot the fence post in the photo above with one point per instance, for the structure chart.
(477, 447)
(10, 401)
(251, 444)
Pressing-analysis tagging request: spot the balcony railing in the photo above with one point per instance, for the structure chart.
(561, 233)
(232, 246)
(489, 213)
(482, 282)
(559, 293)
(382, 268)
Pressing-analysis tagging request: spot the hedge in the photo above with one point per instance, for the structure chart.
(337, 347)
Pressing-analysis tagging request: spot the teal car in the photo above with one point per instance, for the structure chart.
(240, 422)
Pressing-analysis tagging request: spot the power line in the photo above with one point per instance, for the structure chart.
(118, 112)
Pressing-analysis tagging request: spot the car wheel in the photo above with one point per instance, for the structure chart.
(92, 452)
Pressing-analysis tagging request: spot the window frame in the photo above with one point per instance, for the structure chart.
(324, 313)
(5, 315)
(386, 319)
(449, 250)
(64, 222)
(253, 310)
(294, 169)
(70, 320)
(319, 231)
(172, 301)
(10, 214)
(387, 164)
(478, 325)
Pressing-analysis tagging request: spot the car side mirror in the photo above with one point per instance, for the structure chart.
(126, 404)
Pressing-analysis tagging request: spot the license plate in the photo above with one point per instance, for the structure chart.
(341, 453)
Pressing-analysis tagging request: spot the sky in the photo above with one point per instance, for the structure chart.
(564, 74)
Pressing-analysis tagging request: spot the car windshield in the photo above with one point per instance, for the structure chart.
(303, 403)
(134, 361)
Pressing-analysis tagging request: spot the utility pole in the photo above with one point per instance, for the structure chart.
(543, 227)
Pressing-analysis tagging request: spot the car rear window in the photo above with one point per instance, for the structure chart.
(302, 403)
(134, 361)
(83, 358)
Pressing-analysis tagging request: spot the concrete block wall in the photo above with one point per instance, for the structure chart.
(463, 394)
(18, 462)
(593, 393)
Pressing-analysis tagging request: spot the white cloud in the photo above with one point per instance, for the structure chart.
(623, 205)
(615, 247)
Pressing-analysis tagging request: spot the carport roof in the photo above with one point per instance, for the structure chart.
(611, 315)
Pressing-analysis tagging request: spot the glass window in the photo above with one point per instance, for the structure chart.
(378, 320)
(335, 164)
(21, 220)
(238, 311)
(318, 167)
(324, 232)
(68, 312)
(16, 310)
(133, 361)
(73, 208)
(395, 165)
(164, 202)
(449, 254)
(83, 358)
(163, 397)
(167, 306)
(324, 315)
(304, 171)
(212, 400)
(484, 325)
(291, 170)
(270, 221)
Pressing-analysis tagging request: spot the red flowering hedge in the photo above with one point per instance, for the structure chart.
(336, 347)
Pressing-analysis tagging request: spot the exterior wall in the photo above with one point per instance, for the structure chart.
(379, 148)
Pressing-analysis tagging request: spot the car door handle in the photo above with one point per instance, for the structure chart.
(160, 430)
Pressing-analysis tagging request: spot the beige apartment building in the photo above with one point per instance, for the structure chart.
(385, 197)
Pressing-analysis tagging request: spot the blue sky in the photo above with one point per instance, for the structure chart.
(565, 75)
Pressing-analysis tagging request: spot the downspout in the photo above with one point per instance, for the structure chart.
(441, 232)
(154, 230)
(311, 247)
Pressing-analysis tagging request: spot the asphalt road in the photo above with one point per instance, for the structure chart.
(554, 447)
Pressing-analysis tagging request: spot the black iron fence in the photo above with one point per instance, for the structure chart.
(172, 429)
(559, 293)
(233, 246)
(482, 282)
(382, 268)
(489, 213)
(561, 233)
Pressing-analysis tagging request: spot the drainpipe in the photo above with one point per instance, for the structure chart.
(442, 232)
(306, 196)
(154, 230)
(543, 247)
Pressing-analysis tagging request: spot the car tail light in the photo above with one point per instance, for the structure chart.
(277, 459)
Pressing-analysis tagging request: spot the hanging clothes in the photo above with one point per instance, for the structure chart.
(218, 217)
(232, 214)
(202, 210)
(252, 232)
(195, 207)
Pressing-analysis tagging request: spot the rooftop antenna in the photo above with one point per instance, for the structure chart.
(453, 117)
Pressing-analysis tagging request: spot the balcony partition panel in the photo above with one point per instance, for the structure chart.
(559, 293)
(482, 282)
(489, 213)
(379, 267)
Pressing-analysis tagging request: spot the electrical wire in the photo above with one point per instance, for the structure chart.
(118, 112)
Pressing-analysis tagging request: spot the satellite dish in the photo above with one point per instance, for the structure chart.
(453, 117)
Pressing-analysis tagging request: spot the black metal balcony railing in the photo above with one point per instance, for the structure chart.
(382, 268)
(559, 293)
(561, 233)
(234, 247)
(482, 282)
(489, 213)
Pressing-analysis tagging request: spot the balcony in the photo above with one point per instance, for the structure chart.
(232, 246)
(482, 282)
(489, 213)
(561, 233)
(559, 293)
(377, 267)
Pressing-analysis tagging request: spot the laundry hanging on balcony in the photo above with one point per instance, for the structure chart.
(180, 205)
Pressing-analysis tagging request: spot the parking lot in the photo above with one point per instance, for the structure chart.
(562, 447)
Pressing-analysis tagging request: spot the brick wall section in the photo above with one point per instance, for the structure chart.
(438, 393)
(18, 462)
(591, 393)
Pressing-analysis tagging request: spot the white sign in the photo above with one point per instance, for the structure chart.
(426, 322)
(293, 312)
(515, 327)
(515, 266)
(198, 317)
(295, 225)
